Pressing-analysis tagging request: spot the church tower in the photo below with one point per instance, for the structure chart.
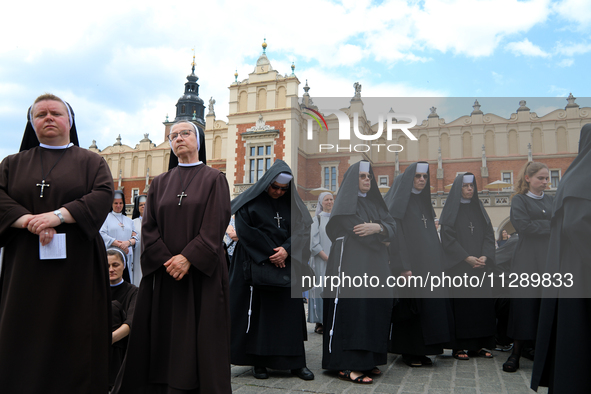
(189, 106)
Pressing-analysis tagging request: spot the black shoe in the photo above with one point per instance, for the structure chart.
(303, 373)
(512, 364)
(260, 372)
(528, 353)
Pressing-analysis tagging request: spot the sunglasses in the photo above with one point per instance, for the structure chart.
(419, 176)
(364, 176)
(283, 188)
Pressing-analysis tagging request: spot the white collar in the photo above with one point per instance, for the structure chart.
(56, 147)
(190, 164)
(115, 285)
(535, 197)
(325, 214)
(416, 191)
(465, 200)
(361, 194)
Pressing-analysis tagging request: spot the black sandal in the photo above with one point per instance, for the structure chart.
(458, 353)
(346, 375)
(319, 329)
(512, 364)
(412, 361)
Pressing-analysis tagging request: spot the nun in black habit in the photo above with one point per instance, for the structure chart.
(268, 325)
(468, 241)
(420, 326)
(564, 342)
(357, 321)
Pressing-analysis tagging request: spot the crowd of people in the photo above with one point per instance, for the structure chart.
(166, 301)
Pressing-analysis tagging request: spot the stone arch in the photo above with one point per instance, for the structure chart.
(489, 143)
(512, 139)
(149, 163)
(243, 102)
(536, 139)
(466, 144)
(134, 166)
(262, 99)
(402, 155)
(382, 153)
(445, 154)
(423, 147)
(561, 140)
(217, 147)
(122, 166)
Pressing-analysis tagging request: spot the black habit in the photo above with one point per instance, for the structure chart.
(466, 230)
(531, 219)
(123, 297)
(268, 325)
(356, 322)
(420, 326)
(55, 314)
(180, 340)
(563, 342)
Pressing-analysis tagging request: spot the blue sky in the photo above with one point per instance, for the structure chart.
(122, 65)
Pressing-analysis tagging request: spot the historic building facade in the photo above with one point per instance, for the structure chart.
(268, 120)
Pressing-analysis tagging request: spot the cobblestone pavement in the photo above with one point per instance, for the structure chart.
(446, 376)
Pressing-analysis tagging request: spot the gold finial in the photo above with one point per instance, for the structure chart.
(193, 62)
(264, 45)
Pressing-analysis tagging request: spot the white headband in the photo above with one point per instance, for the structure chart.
(120, 252)
(283, 178)
(422, 167)
(364, 166)
(468, 179)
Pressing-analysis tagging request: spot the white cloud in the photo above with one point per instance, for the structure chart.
(475, 28)
(526, 48)
(578, 11)
(572, 49)
(498, 78)
(566, 63)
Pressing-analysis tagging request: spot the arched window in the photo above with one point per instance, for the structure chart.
(183, 109)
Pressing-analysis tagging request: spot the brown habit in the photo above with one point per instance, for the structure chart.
(180, 340)
(55, 314)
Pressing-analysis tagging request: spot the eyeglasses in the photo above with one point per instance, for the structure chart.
(467, 185)
(419, 176)
(283, 188)
(363, 176)
(182, 133)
